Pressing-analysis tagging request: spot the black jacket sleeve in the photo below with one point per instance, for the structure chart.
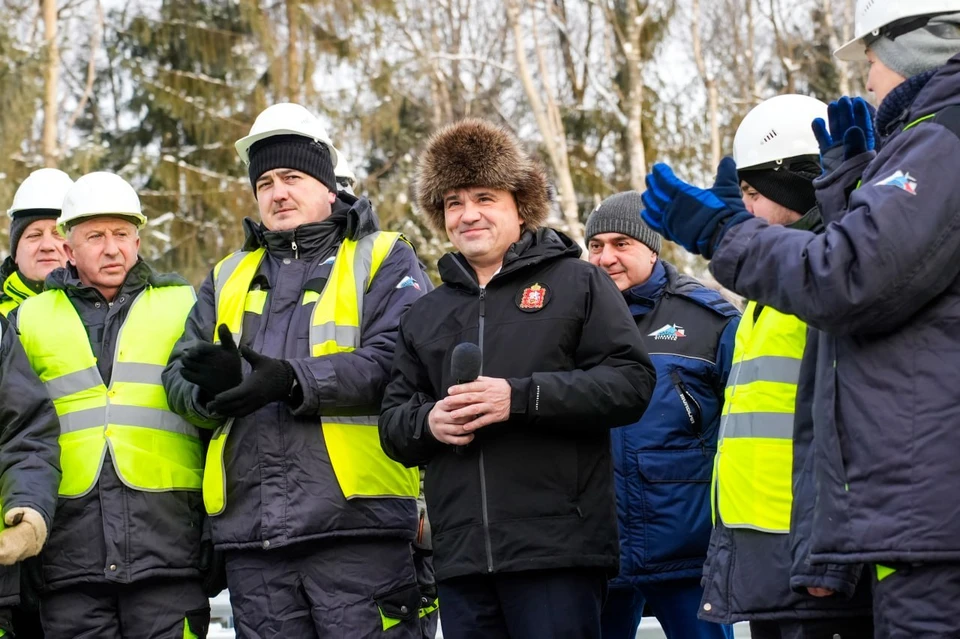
(613, 380)
(404, 432)
(29, 450)
(183, 397)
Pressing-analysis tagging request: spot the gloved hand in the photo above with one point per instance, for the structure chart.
(850, 134)
(694, 218)
(24, 537)
(270, 381)
(214, 368)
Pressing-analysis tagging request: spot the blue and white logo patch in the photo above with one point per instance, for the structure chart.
(670, 332)
(408, 282)
(329, 260)
(901, 180)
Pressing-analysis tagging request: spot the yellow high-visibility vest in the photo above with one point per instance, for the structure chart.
(361, 467)
(153, 448)
(753, 471)
(16, 291)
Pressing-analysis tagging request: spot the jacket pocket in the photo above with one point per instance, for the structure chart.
(691, 407)
(398, 605)
(675, 514)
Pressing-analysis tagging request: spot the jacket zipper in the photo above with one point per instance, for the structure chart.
(483, 476)
(691, 408)
(296, 249)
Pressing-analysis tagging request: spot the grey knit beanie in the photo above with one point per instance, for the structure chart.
(922, 49)
(620, 213)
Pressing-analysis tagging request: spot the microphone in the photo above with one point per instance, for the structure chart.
(465, 364)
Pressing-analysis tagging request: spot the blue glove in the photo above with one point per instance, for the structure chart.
(850, 133)
(694, 218)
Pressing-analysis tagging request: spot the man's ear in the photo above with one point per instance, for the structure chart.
(333, 197)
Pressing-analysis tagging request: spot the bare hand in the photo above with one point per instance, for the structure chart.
(445, 428)
(821, 592)
(480, 403)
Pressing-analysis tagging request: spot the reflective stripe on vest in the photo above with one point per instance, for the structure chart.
(753, 472)
(361, 467)
(152, 448)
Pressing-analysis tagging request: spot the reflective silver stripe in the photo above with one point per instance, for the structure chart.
(343, 335)
(60, 387)
(138, 373)
(127, 416)
(229, 265)
(768, 369)
(362, 263)
(359, 420)
(767, 425)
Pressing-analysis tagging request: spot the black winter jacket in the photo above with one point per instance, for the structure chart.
(536, 491)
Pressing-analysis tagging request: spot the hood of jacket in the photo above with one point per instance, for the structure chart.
(937, 91)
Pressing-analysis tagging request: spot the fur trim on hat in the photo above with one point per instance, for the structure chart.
(472, 153)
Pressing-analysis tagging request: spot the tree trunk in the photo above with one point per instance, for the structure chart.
(634, 97)
(293, 50)
(549, 122)
(51, 83)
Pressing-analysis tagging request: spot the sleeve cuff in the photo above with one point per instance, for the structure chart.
(519, 396)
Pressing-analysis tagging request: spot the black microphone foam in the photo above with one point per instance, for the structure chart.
(465, 362)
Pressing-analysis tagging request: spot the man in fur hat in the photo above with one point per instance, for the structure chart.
(519, 472)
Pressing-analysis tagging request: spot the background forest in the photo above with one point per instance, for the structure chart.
(600, 89)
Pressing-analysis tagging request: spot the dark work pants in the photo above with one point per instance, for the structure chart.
(155, 609)
(675, 604)
(916, 600)
(538, 604)
(331, 589)
(838, 628)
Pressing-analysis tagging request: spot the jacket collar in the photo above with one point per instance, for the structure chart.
(895, 108)
(534, 247)
(15, 285)
(642, 298)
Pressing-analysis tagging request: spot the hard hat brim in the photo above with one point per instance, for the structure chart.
(243, 144)
(853, 51)
(139, 220)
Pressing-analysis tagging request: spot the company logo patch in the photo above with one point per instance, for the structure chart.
(532, 298)
(407, 282)
(329, 260)
(902, 181)
(670, 332)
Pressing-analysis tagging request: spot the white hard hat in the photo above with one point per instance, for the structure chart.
(97, 194)
(873, 15)
(285, 118)
(43, 189)
(778, 129)
(344, 171)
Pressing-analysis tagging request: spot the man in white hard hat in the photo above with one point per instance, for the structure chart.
(288, 351)
(124, 554)
(882, 283)
(36, 248)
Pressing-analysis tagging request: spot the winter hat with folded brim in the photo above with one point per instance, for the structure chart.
(922, 49)
(472, 153)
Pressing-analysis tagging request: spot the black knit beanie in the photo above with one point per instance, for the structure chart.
(292, 152)
(790, 186)
(22, 219)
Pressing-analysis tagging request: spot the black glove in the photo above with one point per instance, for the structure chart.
(214, 368)
(270, 381)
